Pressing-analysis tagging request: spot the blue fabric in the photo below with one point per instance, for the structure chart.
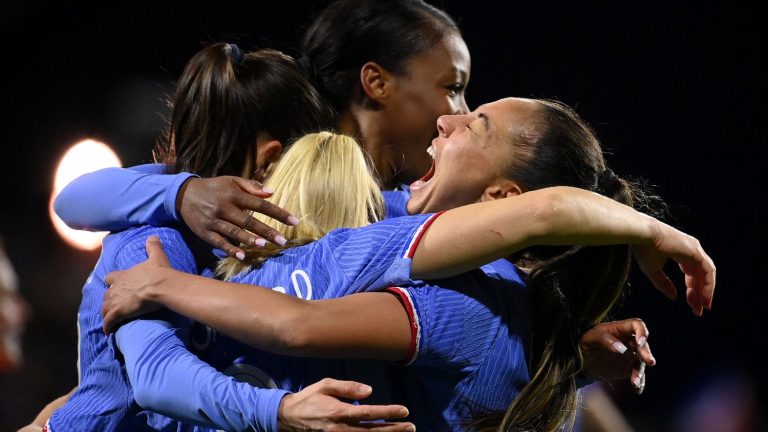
(105, 397)
(113, 199)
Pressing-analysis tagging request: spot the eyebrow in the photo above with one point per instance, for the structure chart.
(486, 121)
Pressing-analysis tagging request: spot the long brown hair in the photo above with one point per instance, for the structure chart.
(571, 288)
(225, 98)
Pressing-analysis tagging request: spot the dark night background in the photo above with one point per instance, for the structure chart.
(674, 91)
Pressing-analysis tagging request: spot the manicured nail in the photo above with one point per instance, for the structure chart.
(267, 190)
(619, 347)
(259, 242)
(641, 341)
(280, 240)
(240, 256)
(411, 428)
(293, 220)
(653, 360)
(362, 388)
(404, 413)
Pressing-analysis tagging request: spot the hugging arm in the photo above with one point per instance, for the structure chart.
(170, 380)
(112, 199)
(466, 237)
(344, 327)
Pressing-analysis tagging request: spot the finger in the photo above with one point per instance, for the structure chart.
(613, 344)
(110, 278)
(638, 379)
(640, 331)
(381, 427)
(253, 187)
(646, 355)
(258, 205)
(662, 283)
(357, 413)
(156, 253)
(344, 389)
(223, 244)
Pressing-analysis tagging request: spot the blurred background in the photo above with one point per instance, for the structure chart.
(676, 93)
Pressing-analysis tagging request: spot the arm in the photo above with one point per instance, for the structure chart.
(271, 320)
(112, 199)
(467, 237)
(115, 198)
(168, 379)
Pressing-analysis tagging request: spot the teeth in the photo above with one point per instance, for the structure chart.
(431, 151)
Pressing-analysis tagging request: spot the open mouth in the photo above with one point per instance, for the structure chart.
(428, 176)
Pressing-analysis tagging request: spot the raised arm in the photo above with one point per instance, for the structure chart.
(112, 199)
(467, 237)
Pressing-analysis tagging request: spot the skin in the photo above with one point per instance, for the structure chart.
(433, 85)
(477, 145)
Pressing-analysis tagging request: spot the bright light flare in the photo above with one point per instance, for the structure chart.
(83, 157)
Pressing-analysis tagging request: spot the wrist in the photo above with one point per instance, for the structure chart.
(283, 421)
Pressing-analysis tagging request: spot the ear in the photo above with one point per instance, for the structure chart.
(375, 81)
(268, 152)
(502, 188)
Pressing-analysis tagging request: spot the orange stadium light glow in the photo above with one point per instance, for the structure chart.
(83, 157)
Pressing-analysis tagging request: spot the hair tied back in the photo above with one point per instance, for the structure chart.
(235, 53)
(607, 181)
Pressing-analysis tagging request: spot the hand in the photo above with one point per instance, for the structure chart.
(616, 350)
(697, 266)
(316, 408)
(216, 210)
(126, 297)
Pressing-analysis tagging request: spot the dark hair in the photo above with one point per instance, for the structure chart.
(571, 288)
(349, 33)
(224, 98)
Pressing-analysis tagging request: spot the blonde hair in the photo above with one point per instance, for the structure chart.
(325, 180)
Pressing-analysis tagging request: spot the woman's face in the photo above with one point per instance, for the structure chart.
(433, 85)
(470, 153)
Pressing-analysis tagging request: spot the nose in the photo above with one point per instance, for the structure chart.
(446, 124)
(463, 108)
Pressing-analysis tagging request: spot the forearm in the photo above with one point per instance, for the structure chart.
(168, 379)
(283, 324)
(116, 198)
(467, 237)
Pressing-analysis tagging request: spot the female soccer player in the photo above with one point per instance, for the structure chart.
(228, 118)
(483, 330)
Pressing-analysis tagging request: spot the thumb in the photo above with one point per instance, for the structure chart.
(253, 187)
(155, 252)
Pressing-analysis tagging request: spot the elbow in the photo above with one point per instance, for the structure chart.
(295, 334)
(546, 212)
(61, 207)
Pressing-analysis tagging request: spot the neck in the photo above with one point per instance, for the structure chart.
(365, 125)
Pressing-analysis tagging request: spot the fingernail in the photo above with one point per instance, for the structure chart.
(636, 382)
(259, 242)
(404, 413)
(240, 256)
(411, 428)
(293, 220)
(362, 388)
(280, 240)
(267, 190)
(653, 360)
(641, 341)
(619, 347)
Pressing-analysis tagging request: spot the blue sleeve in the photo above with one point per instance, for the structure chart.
(379, 255)
(112, 199)
(168, 379)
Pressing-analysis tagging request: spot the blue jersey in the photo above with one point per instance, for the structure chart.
(104, 399)
(469, 338)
